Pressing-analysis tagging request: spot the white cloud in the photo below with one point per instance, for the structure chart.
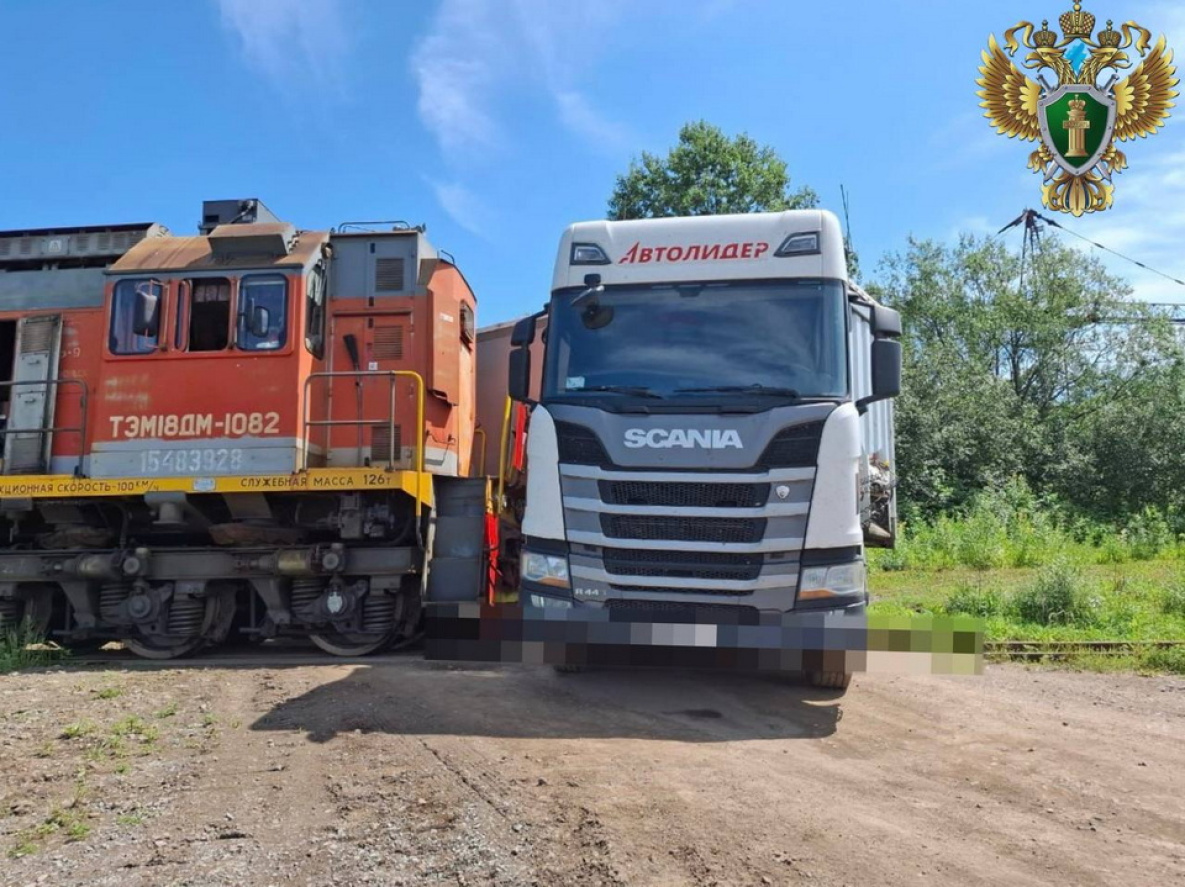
(1147, 222)
(477, 51)
(585, 121)
(457, 65)
(290, 42)
(463, 206)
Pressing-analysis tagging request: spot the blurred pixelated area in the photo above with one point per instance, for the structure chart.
(690, 637)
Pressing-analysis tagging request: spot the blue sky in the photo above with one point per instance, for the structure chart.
(498, 122)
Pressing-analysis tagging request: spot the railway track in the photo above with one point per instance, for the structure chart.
(1037, 650)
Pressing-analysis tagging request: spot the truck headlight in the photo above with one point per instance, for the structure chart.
(546, 569)
(840, 580)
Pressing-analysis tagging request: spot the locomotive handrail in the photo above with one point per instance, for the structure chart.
(80, 430)
(482, 463)
(392, 376)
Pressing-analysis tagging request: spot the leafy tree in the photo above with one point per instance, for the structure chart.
(707, 173)
(1013, 365)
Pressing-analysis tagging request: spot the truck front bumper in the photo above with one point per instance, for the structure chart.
(702, 637)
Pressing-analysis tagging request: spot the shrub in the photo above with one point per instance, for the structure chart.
(1149, 534)
(1172, 599)
(1056, 597)
(1170, 659)
(981, 542)
(1113, 548)
(975, 600)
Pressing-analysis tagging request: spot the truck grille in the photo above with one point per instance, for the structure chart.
(579, 446)
(683, 529)
(684, 495)
(713, 592)
(683, 564)
(796, 447)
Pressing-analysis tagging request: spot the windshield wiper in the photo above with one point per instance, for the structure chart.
(635, 390)
(742, 389)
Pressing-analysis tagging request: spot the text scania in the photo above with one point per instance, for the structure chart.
(704, 252)
(688, 439)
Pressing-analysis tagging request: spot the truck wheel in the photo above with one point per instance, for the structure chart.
(830, 680)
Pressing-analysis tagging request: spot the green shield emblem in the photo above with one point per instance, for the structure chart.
(1077, 122)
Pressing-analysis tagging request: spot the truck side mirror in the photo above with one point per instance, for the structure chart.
(886, 323)
(146, 313)
(886, 369)
(523, 333)
(520, 374)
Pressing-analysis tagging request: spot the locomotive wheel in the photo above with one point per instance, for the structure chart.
(341, 643)
(382, 617)
(31, 613)
(194, 623)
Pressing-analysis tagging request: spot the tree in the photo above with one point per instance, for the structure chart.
(707, 173)
(1014, 365)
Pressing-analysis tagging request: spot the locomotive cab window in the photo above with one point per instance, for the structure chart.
(263, 313)
(208, 303)
(136, 306)
(314, 336)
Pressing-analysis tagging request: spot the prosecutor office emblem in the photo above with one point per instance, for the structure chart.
(1079, 105)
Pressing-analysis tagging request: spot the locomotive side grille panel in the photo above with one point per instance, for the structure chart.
(39, 334)
(388, 342)
(388, 274)
(381, 441)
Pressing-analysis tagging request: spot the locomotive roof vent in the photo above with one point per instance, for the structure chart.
(272, 239)
(245, 211)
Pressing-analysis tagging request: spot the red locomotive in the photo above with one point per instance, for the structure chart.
(239, 429)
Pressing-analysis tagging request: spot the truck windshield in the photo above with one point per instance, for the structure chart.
(711, 341)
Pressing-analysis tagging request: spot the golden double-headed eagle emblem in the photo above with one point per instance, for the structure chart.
(1078, 117)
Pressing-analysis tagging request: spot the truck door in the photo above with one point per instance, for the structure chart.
(27, 444)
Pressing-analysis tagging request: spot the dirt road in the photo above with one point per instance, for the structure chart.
(409, 772)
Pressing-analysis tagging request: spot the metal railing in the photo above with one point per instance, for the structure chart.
(360, 377)
(481, 469)
(43, 432)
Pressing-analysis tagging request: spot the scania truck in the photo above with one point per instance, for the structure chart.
(710, 425)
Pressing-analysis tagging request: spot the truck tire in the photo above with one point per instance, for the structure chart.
(830, 680)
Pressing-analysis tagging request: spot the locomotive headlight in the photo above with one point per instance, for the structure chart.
(839, 580)
(546, 569)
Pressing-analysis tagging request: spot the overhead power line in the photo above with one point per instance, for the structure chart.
(1030, 218)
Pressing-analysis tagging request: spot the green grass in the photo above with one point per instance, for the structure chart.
(23, 847)
(167, 712)
(1137, 600)
(21, 648)
(109, 693)
(78, 730)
